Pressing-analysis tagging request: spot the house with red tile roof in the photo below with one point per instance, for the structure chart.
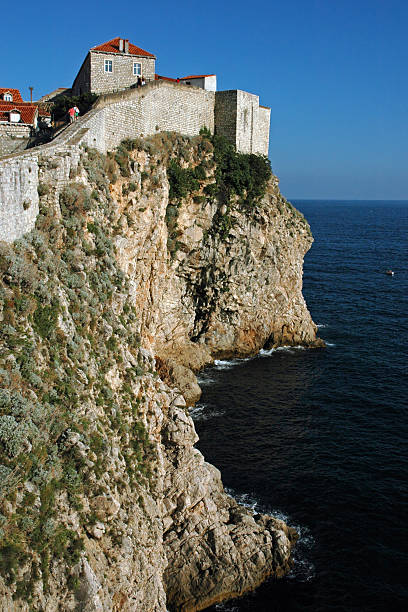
(113, 66)
(14, 111)
(10, 95)
(159, 77)
(19, 113)
(19, 120)
(205, 81)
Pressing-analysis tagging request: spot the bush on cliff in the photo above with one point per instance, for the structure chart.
(242, 174)
(182, 181)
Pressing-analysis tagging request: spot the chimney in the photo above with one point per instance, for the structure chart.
(121, 41)
(126, 45)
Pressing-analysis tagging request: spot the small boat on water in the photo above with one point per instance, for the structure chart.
(390, 273)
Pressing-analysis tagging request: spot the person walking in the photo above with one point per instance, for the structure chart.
(76, 109)
(143, 81)
(139, 82)
(71, 114)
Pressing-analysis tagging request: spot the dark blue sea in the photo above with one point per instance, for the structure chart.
(319, 437)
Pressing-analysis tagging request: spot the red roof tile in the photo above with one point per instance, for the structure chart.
(112, 46)
(196, 76)
(43, 112)
(158, 77)
(14, 92)
(27, 111)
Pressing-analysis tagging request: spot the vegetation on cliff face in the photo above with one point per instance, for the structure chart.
(65, 312)
(237, 180)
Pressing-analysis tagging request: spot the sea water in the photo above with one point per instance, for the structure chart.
(319, 437)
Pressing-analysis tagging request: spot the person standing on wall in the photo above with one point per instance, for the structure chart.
(71, 114)
(76, 109)
(143, 81)
(139, 82)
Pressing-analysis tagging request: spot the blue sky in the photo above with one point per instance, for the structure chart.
(334, 73)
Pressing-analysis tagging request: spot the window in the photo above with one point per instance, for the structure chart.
(137, 69)
(8, 97)
(15, 116)
(108, 66)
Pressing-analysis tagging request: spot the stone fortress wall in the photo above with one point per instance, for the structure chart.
(242, 121)
(159, 106)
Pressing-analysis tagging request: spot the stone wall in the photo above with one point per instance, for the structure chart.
(159, 106)
(122, 74)
(240, 119)
(13, 138)
(18, 197)
(247, 120)
(22, 175)
(165, 108)
(225, 114)
(262, 136)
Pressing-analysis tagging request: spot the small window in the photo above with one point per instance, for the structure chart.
(137, 69)
(8, 97)
(108, 66)
(15, 116)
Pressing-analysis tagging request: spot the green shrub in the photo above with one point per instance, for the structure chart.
(242, 174)
(45, 318)
(122, 159)
(11, 557)
(43, 189)
(200, 172)
(182, 181)
(205, 132)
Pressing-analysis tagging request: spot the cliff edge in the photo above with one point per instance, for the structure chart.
(142, 268)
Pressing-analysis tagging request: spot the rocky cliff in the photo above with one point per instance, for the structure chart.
(150, 263)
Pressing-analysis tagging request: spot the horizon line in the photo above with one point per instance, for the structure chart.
(320, 199)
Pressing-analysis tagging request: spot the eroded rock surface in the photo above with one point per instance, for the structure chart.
(109, 307)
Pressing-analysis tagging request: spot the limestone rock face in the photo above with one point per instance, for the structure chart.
(215, 548)
(158, 531)
(217, 296)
